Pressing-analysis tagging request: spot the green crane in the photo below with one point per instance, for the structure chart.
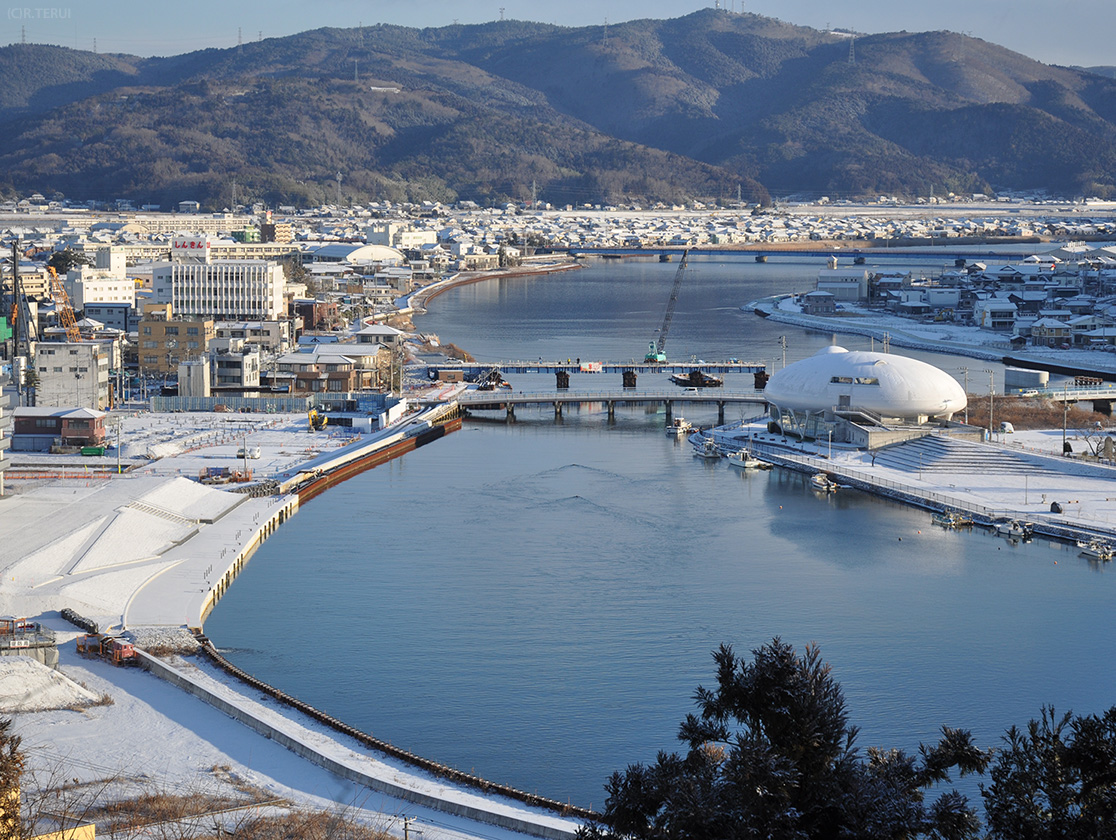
(655, 352)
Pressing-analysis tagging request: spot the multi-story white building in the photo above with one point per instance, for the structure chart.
(71, 374)
(91, 285)
(395, 235)
(270, 335)
(231, 290)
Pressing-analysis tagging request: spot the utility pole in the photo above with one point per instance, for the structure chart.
(339, 190)
(965, 370)
(1065, 412)
(407, 830)
(783, 344)
(991, 392)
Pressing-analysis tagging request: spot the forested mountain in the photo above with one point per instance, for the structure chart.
(695, 107)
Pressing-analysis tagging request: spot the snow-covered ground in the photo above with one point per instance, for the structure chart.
(143, 551)
(944, 337)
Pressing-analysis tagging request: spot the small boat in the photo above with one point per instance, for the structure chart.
(745, 460)
(1015, 529)
(1097, 548)
(708, 449)
(696, 379)
(679, 427)
(823, 483)
(951, 519)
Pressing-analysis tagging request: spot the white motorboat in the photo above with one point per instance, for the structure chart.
(708, 449)
(745, 460)
(823, 483)
(1015, 529)
(1097, 548)
(679, 427)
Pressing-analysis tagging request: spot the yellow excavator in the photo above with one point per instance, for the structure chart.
(317, 421)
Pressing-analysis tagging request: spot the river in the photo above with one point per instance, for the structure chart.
(536, 602)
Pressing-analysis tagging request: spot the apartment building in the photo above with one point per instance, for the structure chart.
(226, 290)
(165, 341)
(72, 374)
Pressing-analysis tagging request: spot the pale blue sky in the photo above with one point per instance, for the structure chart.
(1067, 32)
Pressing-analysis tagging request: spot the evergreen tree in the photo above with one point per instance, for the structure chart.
(1057, 779)
(771, 755)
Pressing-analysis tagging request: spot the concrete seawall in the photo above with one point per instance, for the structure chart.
(290, 734)
(284, 508)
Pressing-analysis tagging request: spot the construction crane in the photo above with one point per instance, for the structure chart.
(655, 351)
(62, 306)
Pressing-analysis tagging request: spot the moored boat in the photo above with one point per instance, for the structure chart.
(1097, 548)
(951, 519)
(679, 427)
(708, 449)
(1015, 529)
(697, 379)
(745, 460)
(823, 483)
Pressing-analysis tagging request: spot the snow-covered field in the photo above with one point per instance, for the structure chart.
(151, 543)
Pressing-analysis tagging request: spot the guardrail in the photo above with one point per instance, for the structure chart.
(705, 395)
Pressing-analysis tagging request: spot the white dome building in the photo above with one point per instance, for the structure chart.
(892, 387)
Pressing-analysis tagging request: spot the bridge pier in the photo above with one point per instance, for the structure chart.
(557, 410)
(510, 416)
(720, 412)
(628, 377)
(562, 380)
(669, 409)
(611, 411)
(1103, 407)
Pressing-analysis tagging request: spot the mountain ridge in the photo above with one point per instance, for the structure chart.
(697, 107)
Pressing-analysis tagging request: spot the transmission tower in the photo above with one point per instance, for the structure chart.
(852, 50)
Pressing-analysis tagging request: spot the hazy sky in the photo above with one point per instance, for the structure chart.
(1071, 32)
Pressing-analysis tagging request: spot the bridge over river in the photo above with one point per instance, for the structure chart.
(562, 371)
(506, 401)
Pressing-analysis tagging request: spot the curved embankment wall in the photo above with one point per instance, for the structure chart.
(284, 508)
(289, 505)
(423, 296)
(304, 487)
(440, 770)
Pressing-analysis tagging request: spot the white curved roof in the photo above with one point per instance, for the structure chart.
(894, 386)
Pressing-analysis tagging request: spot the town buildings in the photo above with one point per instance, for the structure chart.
(165, 341)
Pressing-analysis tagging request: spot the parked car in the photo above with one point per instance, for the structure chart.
(252, 452)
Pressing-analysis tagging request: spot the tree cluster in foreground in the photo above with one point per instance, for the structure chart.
(771, 754)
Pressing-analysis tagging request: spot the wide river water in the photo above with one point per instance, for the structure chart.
(536, 602)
